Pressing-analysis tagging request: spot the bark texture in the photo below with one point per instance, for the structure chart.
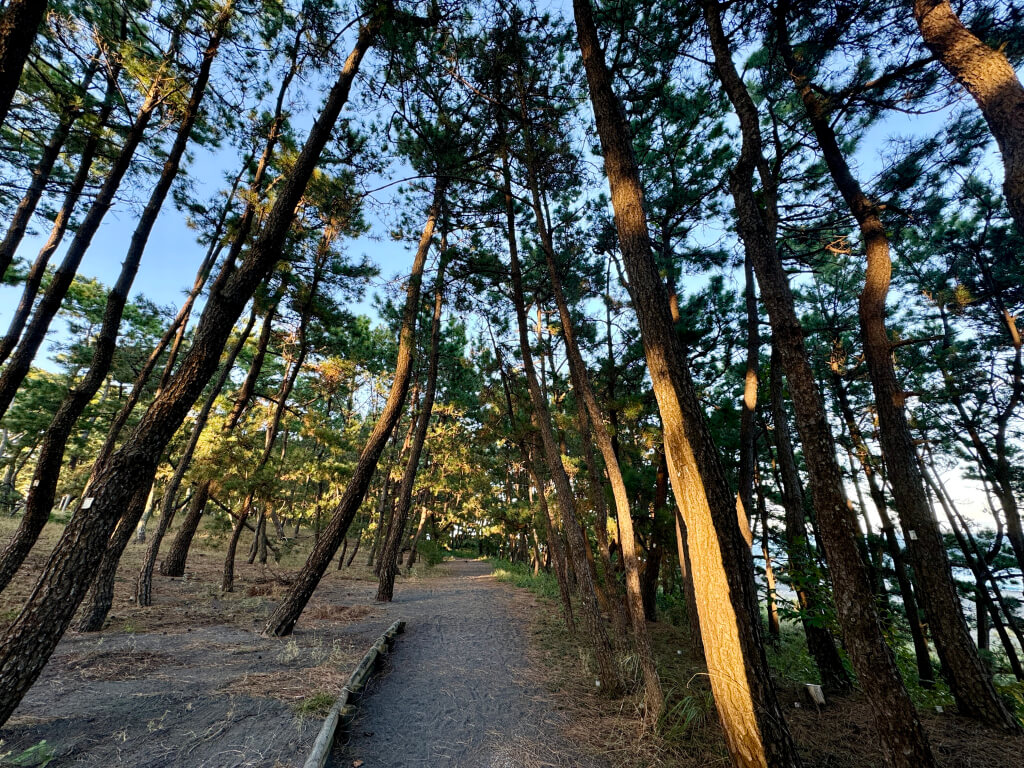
(969, 681)
(755, 728)
(900, 730)
(988, 76)
(19, 22)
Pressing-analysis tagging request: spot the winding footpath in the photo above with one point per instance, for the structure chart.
(455, 690)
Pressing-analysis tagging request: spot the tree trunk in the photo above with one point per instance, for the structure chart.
(969, 681)
(101, 595)
(144, 584)
(820, 642)
(19, 22)
(991, 80)
(21, 359)
(654, 698)
(925, 672)
(596, 634)
(424, 514)
(752, 721)
(41, 170)
(37, 271)
(900, 730)
(55, 439)
(393, 540)
(28, 642)
(282, 621)
(748, 433)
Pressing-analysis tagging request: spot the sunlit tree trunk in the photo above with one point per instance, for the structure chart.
(752, 721)
(989, 77)
(895, 717)
(969, 681)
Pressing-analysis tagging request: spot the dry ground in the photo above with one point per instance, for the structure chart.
(189, 681)
(485, 676)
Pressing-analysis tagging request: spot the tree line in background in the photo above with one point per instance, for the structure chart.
(770, 360)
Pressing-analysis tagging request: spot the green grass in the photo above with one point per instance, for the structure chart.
(521, 575)
(317, 705)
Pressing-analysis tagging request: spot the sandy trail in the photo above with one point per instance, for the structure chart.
(455, 691)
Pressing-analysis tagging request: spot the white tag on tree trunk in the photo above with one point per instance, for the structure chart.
(35, 483)
(87, 502)
(912, 535)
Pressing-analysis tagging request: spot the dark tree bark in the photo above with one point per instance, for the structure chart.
(19, 23)
(586, 587)
(54, 442)
(723, 573)
(820, 642)
(925, 672)
(896, 720)
(283, 620)
(41, 170)
(37, 271)
(989, 77)
(21, 359)
(101, 595)
(654, 698)
(553, 539)
(27, 644)
(396, 527)
(969, 681)
(144, 584)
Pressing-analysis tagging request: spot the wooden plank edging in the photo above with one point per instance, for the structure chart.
(342, 710)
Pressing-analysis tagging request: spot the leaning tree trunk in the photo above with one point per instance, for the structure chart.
(902, 736)
(554, 542)
(396, 527)
(21, 359)
(723, 573)
(654, 698)
(19, 22)
(969, 681)
(820, 642)
(989, 77)
(43, 167)
(925, 671)
(55, 439)
(101, 594)
(586, 588)
(320, 263)
(34, 278)
(29, 641)
(144, 583)
(283, 620)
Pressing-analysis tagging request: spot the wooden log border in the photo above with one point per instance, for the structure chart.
(343, 708)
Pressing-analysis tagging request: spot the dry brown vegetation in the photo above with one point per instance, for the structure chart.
(840, 735)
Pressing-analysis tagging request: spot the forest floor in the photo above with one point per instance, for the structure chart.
(189, 681)
(486, 676)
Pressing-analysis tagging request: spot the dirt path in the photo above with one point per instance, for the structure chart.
(457, 691)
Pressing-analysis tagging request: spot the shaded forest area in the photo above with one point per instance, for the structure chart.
(705, 323)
